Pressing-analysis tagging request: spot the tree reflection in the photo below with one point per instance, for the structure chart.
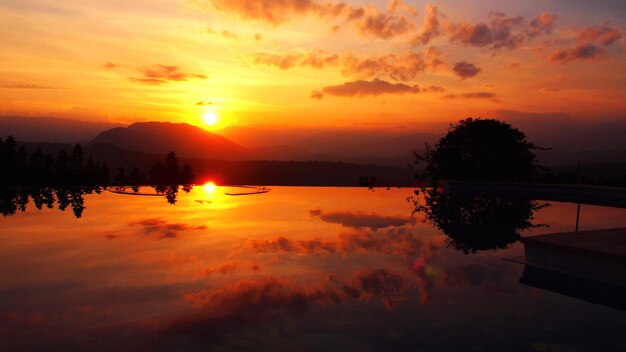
(171, 191)
(13, 200)
(477, 223)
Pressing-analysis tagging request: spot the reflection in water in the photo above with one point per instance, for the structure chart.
(478, 223)
(169, 191)
(296, 269)
(13, 200)
(16, 199)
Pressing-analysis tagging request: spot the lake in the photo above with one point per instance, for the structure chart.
(298, 268)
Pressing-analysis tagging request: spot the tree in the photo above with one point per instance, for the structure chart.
(186, 175)
(480, 150)
(120, 179)
(172, 170)
(473, 224)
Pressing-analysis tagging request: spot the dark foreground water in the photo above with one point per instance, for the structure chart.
(295, 269)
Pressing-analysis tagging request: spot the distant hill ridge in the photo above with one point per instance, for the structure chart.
(52, 129)
(162, 137)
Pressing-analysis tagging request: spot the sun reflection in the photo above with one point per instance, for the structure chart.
(210, 187)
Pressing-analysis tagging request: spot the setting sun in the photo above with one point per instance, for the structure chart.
(210, 118)
(210, 187)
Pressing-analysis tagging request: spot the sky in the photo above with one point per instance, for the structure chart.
(311, 63)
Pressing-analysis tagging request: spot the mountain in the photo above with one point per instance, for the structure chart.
(50, 129)
(162, 137)
(335, 142)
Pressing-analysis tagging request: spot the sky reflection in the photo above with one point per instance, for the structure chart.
(309, 267)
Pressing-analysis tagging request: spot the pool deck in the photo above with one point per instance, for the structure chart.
(595, 195)
(598, 255)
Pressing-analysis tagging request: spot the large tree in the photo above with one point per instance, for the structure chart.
(479, 150)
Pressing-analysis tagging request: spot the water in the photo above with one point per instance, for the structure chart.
(298, 268)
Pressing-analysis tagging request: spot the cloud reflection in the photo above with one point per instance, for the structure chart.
(361, 219)
(162, 229)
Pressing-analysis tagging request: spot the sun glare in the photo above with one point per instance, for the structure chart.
(210, 118)
(210, 187)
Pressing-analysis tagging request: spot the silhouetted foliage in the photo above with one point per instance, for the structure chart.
(20, 169)
(367, 181)
(13, 200)
(120, 178)
(485, 151)
(477, 223)
(167, 177)
(65, 177)
(479, 150)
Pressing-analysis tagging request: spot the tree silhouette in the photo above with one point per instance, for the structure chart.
(480, 150)
(19, 169)
(120, 178)
(13, 200)
(65, 177)
(167, 177)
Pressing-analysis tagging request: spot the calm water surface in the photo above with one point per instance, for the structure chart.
(306, 269)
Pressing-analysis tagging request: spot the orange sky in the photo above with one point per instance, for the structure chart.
(310, 63)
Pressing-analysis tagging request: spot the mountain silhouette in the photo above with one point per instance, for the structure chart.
(51, 129)
(162, 137)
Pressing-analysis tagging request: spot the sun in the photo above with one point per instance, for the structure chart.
(210, 118)
(210, 187)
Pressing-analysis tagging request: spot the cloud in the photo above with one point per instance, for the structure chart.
(367, 284)
(587, 47)
(601, 35)
(224, 33)
(284, 245)
(24, 85)
(362, 88)
(395, 241)
(369, 21)
(578, 52)
(500, 32)
(355, 14)
(472, 95)
(543, 24)
(275, 12)
(384, 26)
(431, 27)
(400, 67)
(401, 6)
(315, 59)
(160, 74)
(162, 229)
(317, 95)
(433, 60)
(360, 219)
(402, 242)
(110, 65)
(221, 269)
(251, 300)
(433, 89)
(465, 69)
